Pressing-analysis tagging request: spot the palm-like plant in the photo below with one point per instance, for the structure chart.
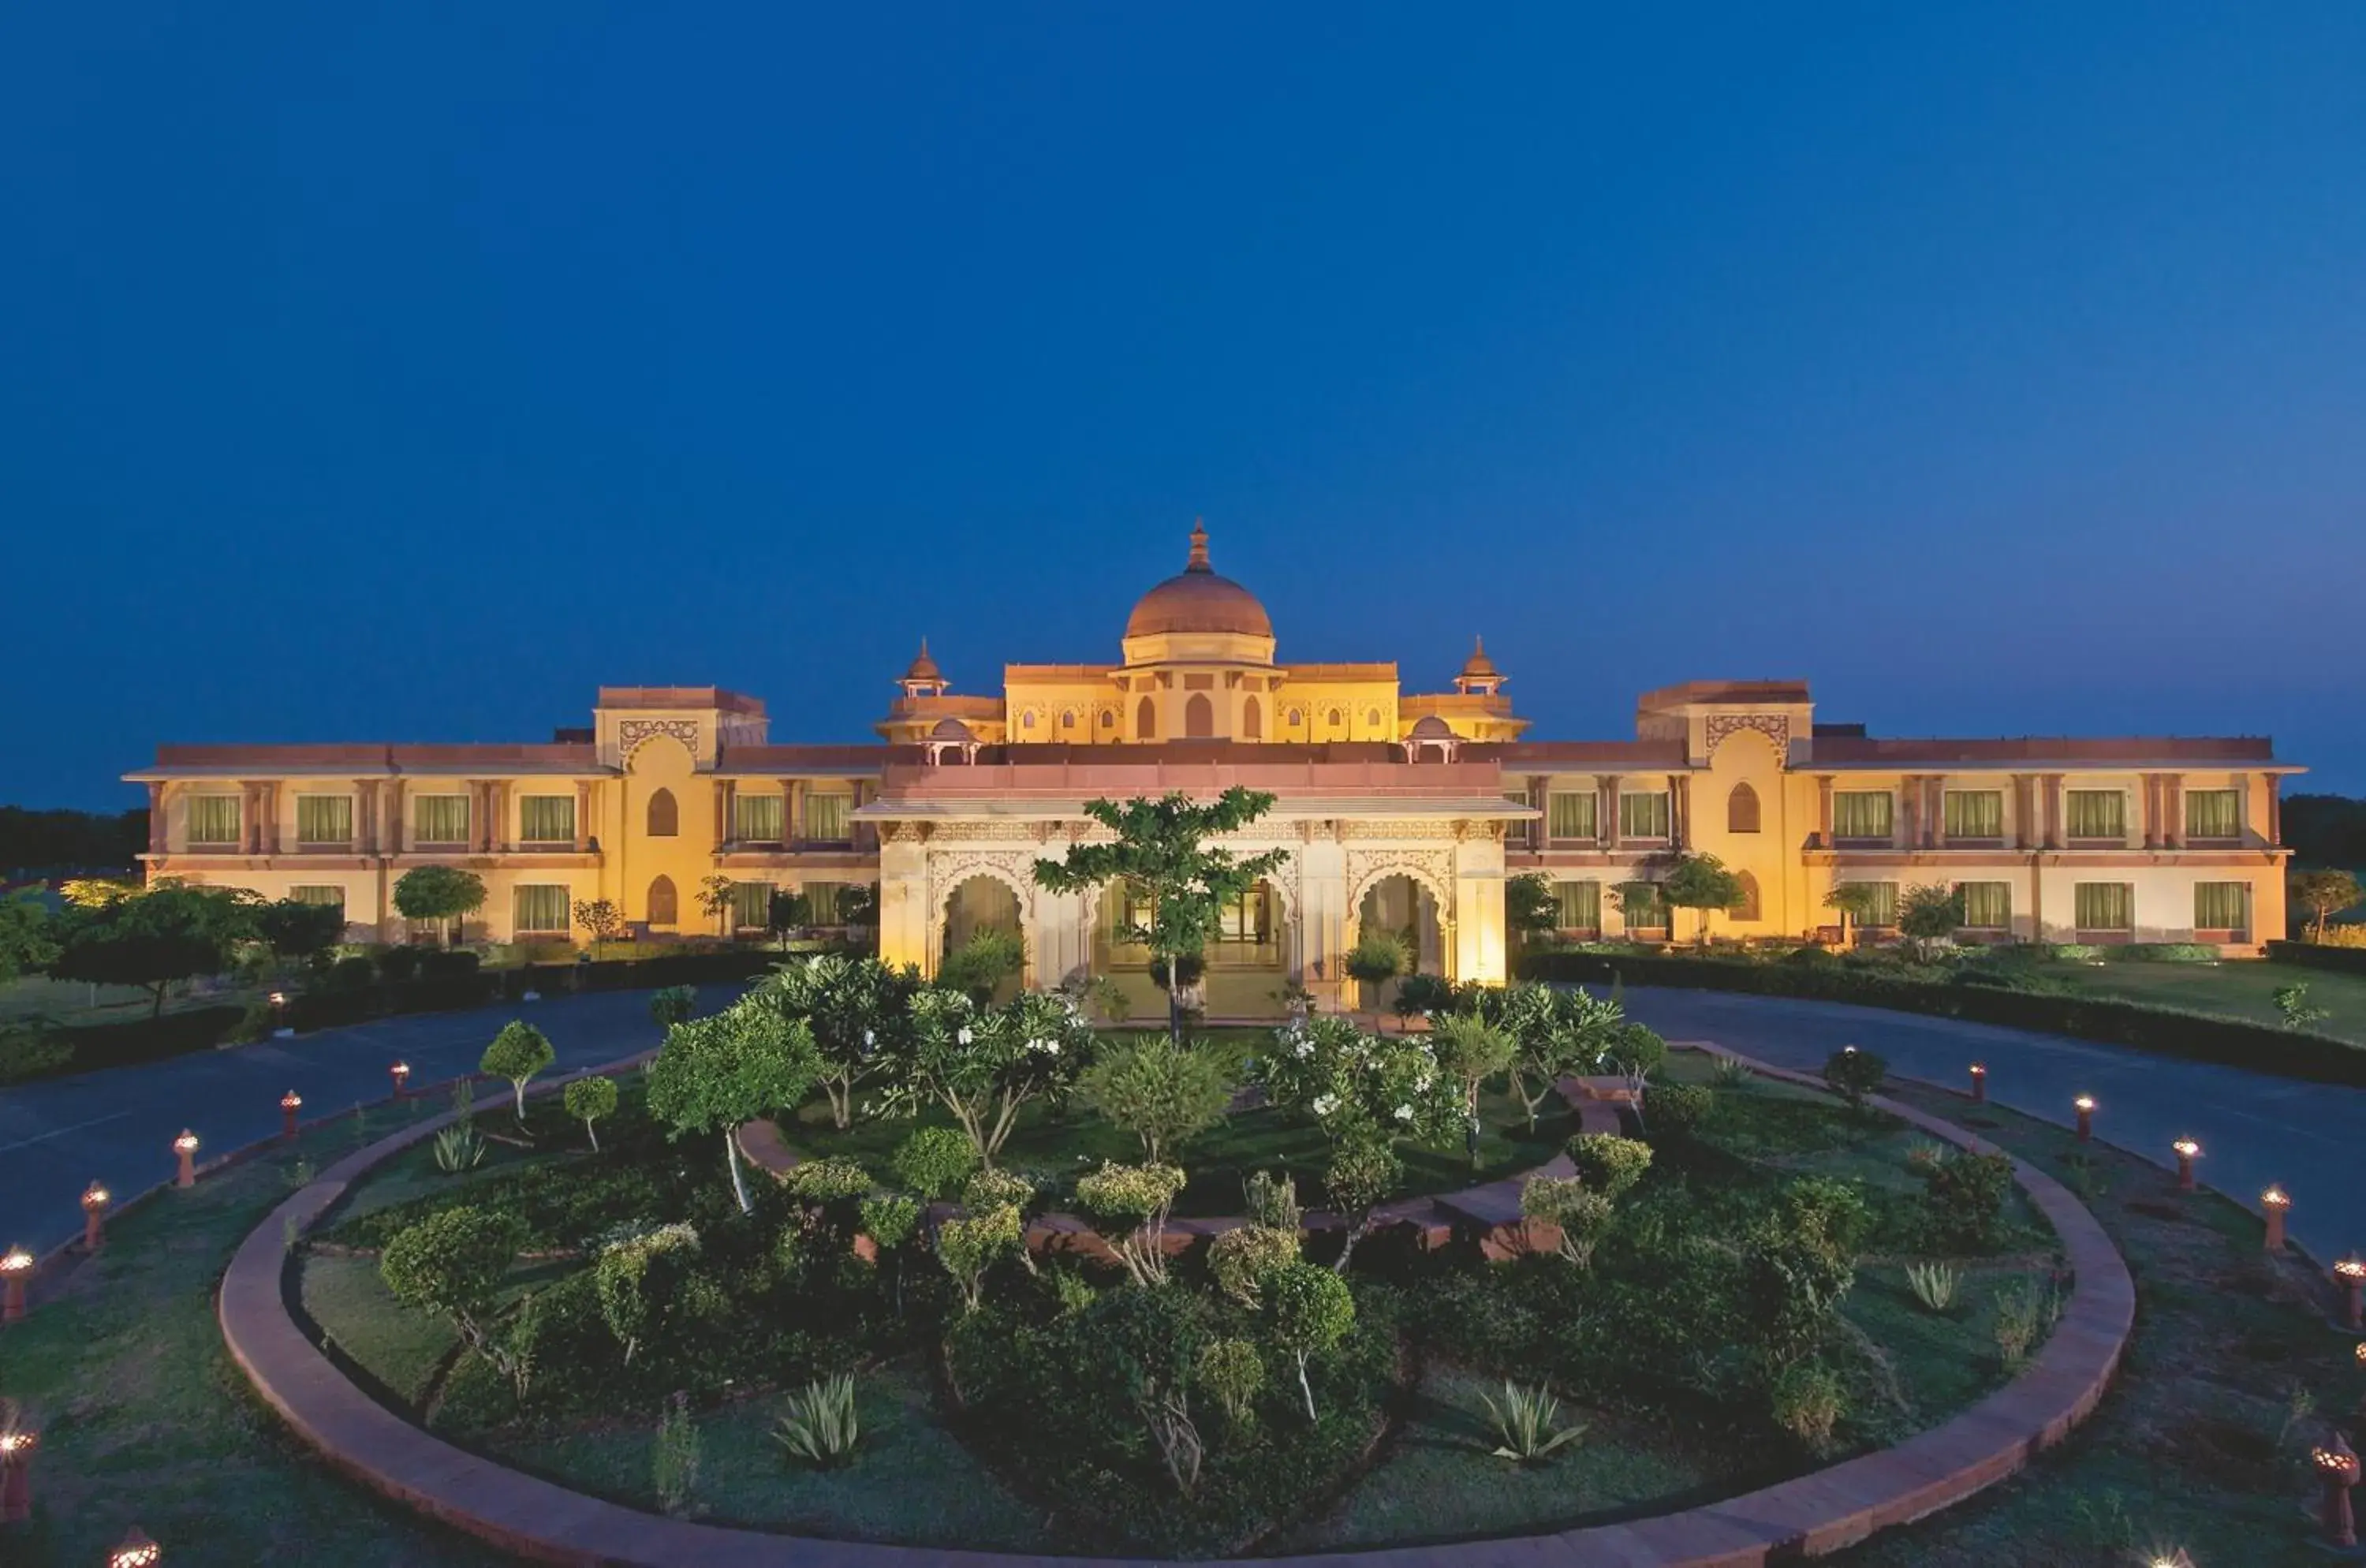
(820, 1426)
(1526, 1423)
(1934, 1284)
(459, 1148)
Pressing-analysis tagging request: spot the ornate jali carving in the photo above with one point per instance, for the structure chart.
(1775, 727)
(631, 732)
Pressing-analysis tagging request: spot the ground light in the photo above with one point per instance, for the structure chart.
(2188, 1151)
(2350, 1275)
(2337, 1467)
(95, 1199)
(1979, 1084)
(290, 1103)
(17, 1446)
(16, 1266)
(186, 1146)
(139, 1550)
(400, 1074)
(2275, 1204)
(2085, 1106)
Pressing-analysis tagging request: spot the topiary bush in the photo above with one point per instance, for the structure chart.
(1963, 1198)
(934, 1161)
(1854, 1074)
(1608, 1163)
(1678, 1110)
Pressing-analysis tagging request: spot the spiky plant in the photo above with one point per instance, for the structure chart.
(1934, 1284)
(1528, 1423)
(1731, 1072)
(820, 1426)
(459, 1148)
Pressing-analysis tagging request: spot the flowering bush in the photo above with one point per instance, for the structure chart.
(983, 1063)
(1330, 1070)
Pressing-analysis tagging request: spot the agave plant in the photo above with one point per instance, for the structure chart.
(819, 1427)
(1526, 1423)
(1934, 1284)
(1730, 1072)
(459, 1148)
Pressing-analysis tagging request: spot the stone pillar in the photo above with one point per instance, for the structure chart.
(905, 918)
(2173, 807)
(271, 817)
(2152, 811)
(2053, 789)
(2275, 811)
(1680, 804)
(365, 817)
(582, 816)
(793, 810)
(722, 814)
(1323, 917)
(1606, 811)
(1907, 829)
(397, 834)
(1480, 948)
(1934, 808)
(2025, 812)
(1823, 811)
(156, 817)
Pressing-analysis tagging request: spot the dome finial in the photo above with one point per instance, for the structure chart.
(1198, 561)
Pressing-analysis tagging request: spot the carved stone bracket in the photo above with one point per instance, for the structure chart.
(1775, 727)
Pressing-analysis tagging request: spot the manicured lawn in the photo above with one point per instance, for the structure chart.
(2239, 988)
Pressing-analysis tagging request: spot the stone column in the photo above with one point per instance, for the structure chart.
(1323, 917)
(1823, 811)
(904, 915)
(1479, 938)
(1934, 808)
(395, 834)
(2025, 811)
(1680, 804)
(722, 814)
(582, 816)
(2052, 787)
(271, 817)
(2275, 811)
(1908, 826)
(2151, 782)
(365, 816)
(480, 817)
(1606, 811)
(156, 817)
(2172, 787)
(793, 811)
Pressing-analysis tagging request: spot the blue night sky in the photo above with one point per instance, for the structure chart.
(404, 372)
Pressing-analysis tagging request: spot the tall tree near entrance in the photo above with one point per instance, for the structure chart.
(1701, 883)
(1162, 852)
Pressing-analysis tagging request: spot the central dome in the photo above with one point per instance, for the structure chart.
(1196, 600)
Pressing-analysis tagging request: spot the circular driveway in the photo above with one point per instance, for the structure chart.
(2254, 1129)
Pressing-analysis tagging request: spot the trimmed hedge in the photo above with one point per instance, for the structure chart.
(2201, 1037)
(2316, 955)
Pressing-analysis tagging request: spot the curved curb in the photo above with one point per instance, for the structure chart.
(1815, 1514)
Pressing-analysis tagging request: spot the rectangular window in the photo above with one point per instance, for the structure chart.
(1641, 904)
(1247, 919)
(213, 819)
(1975, 814)
(2213, 814)
(324, 819)
(1862, 813)
(826, 819)
(756, 818)
(2104, 906)
(441, 819)
(1572, 816)
(1987, 906)
(1643, 815)
(2096, 814)
(2222, 906)
(326, 897)
(1577, 905)
(547, 819)
(751, 905)
(1521, 831)
(544, 910)
(821, 902)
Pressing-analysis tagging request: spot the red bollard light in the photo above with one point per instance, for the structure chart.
(290, 1103)
(16, 1475)
(2350, 1274)
(15, 1267)
(2085, 1106)
(95, 1201)
(137, 1551)
(2188, 1151)
(400, 1074)
(1979, 1084)
(2275, 1204)
(186, 1146)
(2337, 1466)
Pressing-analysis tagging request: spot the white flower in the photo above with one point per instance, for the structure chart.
(1049, 1047)
(870, 1038)
(1421, 1085)
(1325, 1104)
(963, 1034)
(1305, 1049)
(1405, 1112)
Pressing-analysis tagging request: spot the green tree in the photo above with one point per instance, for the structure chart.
(981, 966)
(1161, 852)
(670, 1005)
(716, 901)
(517, 1053)
(1378, 958)
(2324, 894)
(1470, 1050)
(26, 941)
(439, 893)
(1309, 1311)
(1929, 912)
(588, 1099)
(787, 912)
(1856, 902)
(603, 918)
(1530, 909)
(983, 1065)
(1701, 882)
(857, 1009)
(169, 933)
(298, 933)
(1162, 1093)
(714, 1074)
(454, 1264)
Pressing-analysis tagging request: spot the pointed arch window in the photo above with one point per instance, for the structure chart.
(1746, 908)
(1251, 721)
(665, 815)
(1198, 718)
(1145, 720)
(665, 905)
(1741, 810)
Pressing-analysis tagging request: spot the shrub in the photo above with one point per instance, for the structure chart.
(1527, 1424)
(830, 1180)
(971, 1246)
(452, 1264)
(1163, 1094)
(459, 1148)
(1582, 1213)
(1128, 1204)
(1309, 1310)
(890, 1222)
(1379, 956)
(355, 974)
(2164, 952)
(1963, 1197)
(1636, 1051)
(1424, 994)
(1933, 1284)
(1272, 1202)
(1608, 1163)
(933, 1161)
(979, 967)
(2024, 1312)
(672, 1005)
(1731, 1072)
(820, 1426)
(448, 964)
(2295, 1008)
(1854, 1074)
(517, 1054)
(1679, 1110)
(633, 1305)
(1232, 1371)
(29, 1053)
(1189, 965)
(398, 965)
(674, 1458)
(1808, 1402)
(1797, 1263)
(587, 1101)
(991, 1189)
(1238, 1258)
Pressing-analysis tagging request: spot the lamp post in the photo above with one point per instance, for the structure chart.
(95, 1199)
(137, 1551)
(290, 1103)
(16, 1475)
(400, 1074)
(2275, 1204)
(2188, 1151)
(2085, 1106)
(2337, 1467)
(2350, 1274)
(1979, 1084)
(186, 1146)
(16, 1266)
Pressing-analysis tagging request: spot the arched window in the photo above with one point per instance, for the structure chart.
(1747, 907)
(1145, 720)
(1741, 810)
(665, 909)
(1027, 719)
(1333, 718)
(1108, 719)
(1295, 718)
(1252, 722)
(1371, 718)
(665, 816)
(1198, 718)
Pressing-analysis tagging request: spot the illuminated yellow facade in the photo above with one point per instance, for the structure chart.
(1404, 810)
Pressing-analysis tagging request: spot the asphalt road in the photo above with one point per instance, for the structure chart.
(117, 1126)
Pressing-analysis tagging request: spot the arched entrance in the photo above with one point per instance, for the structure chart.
(1401, 905)
(1245, 966)
(1198, 718)
(978, 906)
(665, 905)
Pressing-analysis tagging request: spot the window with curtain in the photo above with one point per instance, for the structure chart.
(821, 901)
(825, 818)
(1987, 906)
(1643, 815)
(440, 819)
(2222, 906)
(324, 819)
(2213, 814)
(1520, 833)
(1973, 814)
(1863, 813)
(326, 897)
(758, 819)
(541, 909)
(547, 819)
(751, 905)
(1570, 815)
(1883, 909)
(213, 819)
(1741, 809)
(1577, 905)
(2104, 906)
(2096, 814)
(1641, 904)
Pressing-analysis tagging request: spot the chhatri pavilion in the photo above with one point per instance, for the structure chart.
(1401, 810)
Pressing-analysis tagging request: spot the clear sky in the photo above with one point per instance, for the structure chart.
(405, 371)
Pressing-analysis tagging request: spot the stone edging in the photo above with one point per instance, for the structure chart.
(1815, 1514)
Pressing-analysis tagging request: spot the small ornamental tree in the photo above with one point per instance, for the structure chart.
(1378, 958)
(713, 1074)
(2324, 894)
(1163, 1094)
(1181, 883)
(934, 1161)
(1607, 1163)
(1857, 901)
(979, 967)
(1128, 1205)
(671, 1005)
(1470, 1051)
(1531, 912)
(1796, 1265)
(1701, 882)
(786, 912)
(983, 1065)
(603, 918)
(517, 1053)
(1580, 1213)
(588, 1099)
(638, 1283)
(716, 899)
(858, 1011)
(1854, 1074)
(25, 936)
(152, 940)
(453, 1263)
(1308, 1311)
(444, 893)
(298, 932)
(1930, 912)
(972, 1245)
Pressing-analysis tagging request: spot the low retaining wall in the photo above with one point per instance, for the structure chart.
(1815, 1514)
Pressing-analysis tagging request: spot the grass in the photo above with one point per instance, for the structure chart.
(2240, 988)
(144, 1420)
